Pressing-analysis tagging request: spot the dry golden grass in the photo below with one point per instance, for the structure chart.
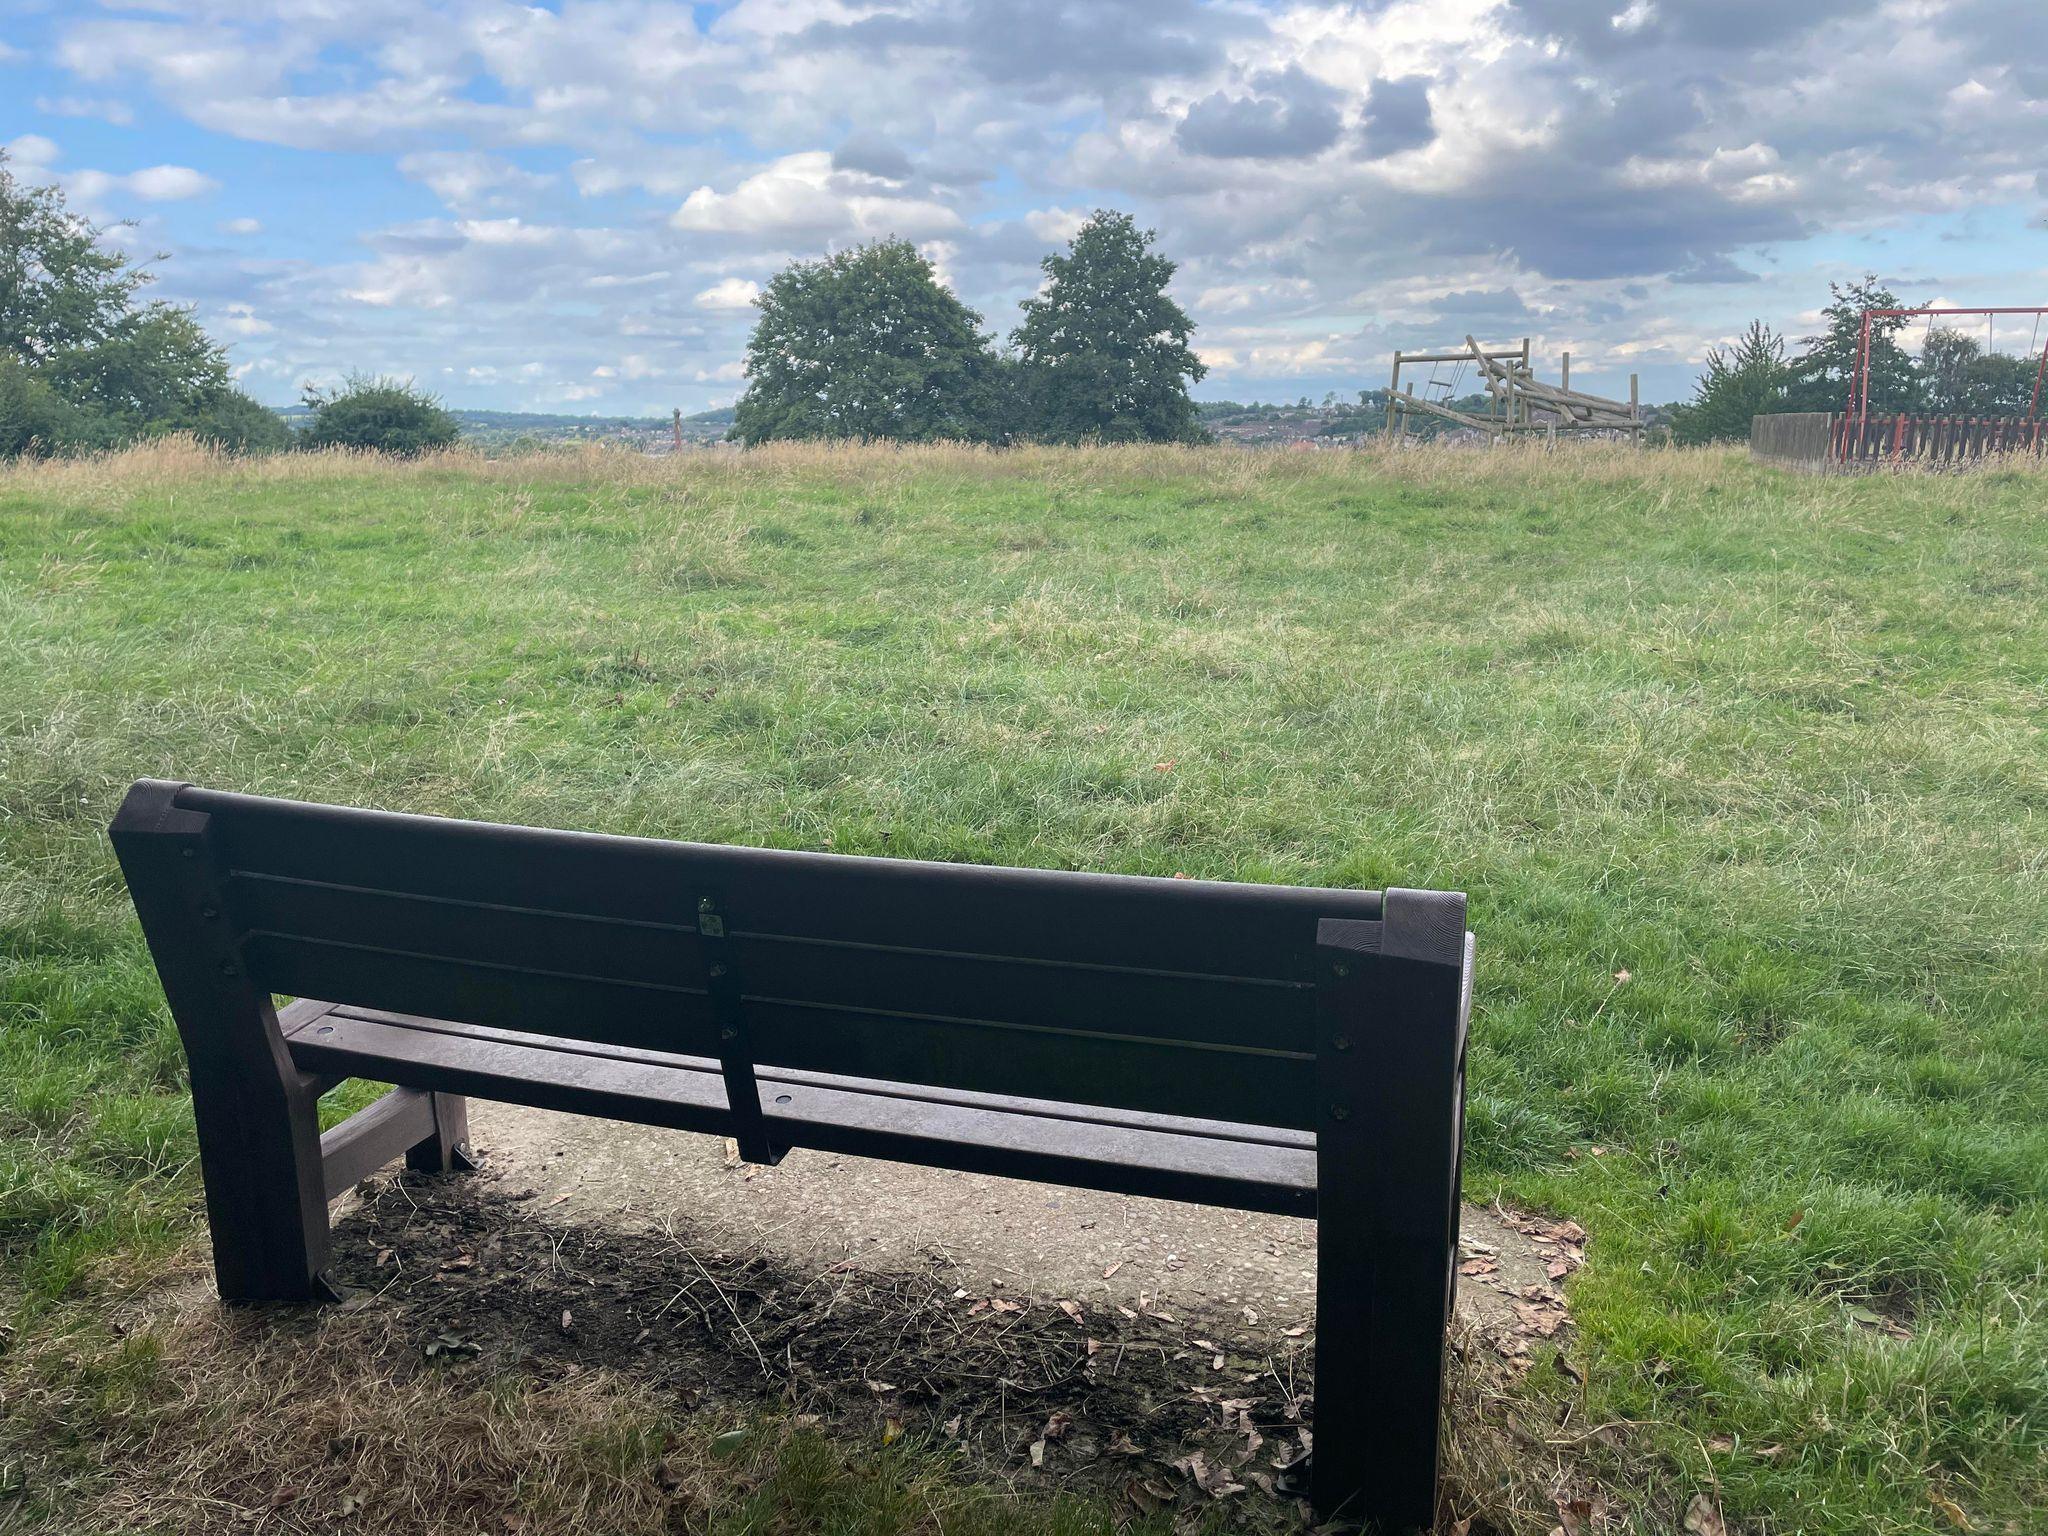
(1235, 470)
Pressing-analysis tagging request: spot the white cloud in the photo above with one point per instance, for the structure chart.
(243, 226)
(1058, 225)
(729, 293)
(31, 153)
(803, 196)
(467, 180)
(170, 183)
(1640, 14)
(241, 320)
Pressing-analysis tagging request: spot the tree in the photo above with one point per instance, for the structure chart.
(868, 343)
(83, 364)
(1748, 379)
(1823, 373)
(377, 415)
(1959, 378)
(1104, 350)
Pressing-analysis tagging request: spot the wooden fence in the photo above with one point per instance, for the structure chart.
(1793, 439)
(1825, 440)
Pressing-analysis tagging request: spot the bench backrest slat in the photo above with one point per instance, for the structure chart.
(1181, 997)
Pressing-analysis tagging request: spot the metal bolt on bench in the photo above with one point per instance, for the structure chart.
(1267, 1048)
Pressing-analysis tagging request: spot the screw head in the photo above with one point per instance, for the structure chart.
(718, 970)
(1342, 1042)
(188, 853)
(704, 904)
(1339, 1112)
(227, 968)
(728, 1033)
(1341, 968)
(209, 913)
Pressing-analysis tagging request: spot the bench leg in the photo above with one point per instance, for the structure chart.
(1391, 1021)
(266, 1199)
(447, 1150)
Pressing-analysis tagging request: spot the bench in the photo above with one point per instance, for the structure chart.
(1260, 1047)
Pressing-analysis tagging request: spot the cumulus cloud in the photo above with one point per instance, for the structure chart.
(467, 180)
(1285, 114)
(729, 293)
(802, 196)
(35, 156)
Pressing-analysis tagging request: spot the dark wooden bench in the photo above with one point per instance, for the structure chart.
(1261, 1047)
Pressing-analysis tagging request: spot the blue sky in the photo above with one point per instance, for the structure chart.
(570, 207)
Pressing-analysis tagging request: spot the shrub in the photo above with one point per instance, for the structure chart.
(233, 421)
(378, 415)
(35, 419)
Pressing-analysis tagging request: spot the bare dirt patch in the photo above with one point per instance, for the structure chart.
(508, 1360)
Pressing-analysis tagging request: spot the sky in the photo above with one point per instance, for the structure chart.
(571, 207)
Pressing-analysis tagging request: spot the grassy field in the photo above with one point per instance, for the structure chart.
(1745, 775)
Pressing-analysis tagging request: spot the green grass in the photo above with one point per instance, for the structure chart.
(1771, 746)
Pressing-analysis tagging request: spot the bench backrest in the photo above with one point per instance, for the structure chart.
(1183, 997)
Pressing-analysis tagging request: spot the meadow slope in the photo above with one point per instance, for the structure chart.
(1744, 774)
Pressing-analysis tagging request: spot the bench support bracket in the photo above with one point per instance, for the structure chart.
(735, 1051)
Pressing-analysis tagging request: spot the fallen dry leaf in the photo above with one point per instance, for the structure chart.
(1112, 1269)
(1950, 1511)
(1072, 1309)
(1703, 1516)
(1573, 1515)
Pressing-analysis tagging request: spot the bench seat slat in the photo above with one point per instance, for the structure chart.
(1181, 1158)
(298, 1015)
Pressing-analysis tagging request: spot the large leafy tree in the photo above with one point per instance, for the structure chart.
(1958, 377)
(83, 361)
(1822, 373)
(868, 343)
(1103, 347)
(1744, 380)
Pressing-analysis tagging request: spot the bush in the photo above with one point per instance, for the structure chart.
(35, 419)
(378, 415)
(233, 421)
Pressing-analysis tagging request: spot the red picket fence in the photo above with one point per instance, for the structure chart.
(1905, 437)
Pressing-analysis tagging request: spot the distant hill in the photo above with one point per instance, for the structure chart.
(499, 427)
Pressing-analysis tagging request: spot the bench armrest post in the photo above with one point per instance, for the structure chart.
(256, 1114)
(1392, 1004)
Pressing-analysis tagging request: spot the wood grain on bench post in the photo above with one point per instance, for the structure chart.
(1391, 1009)
(256, 1113)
